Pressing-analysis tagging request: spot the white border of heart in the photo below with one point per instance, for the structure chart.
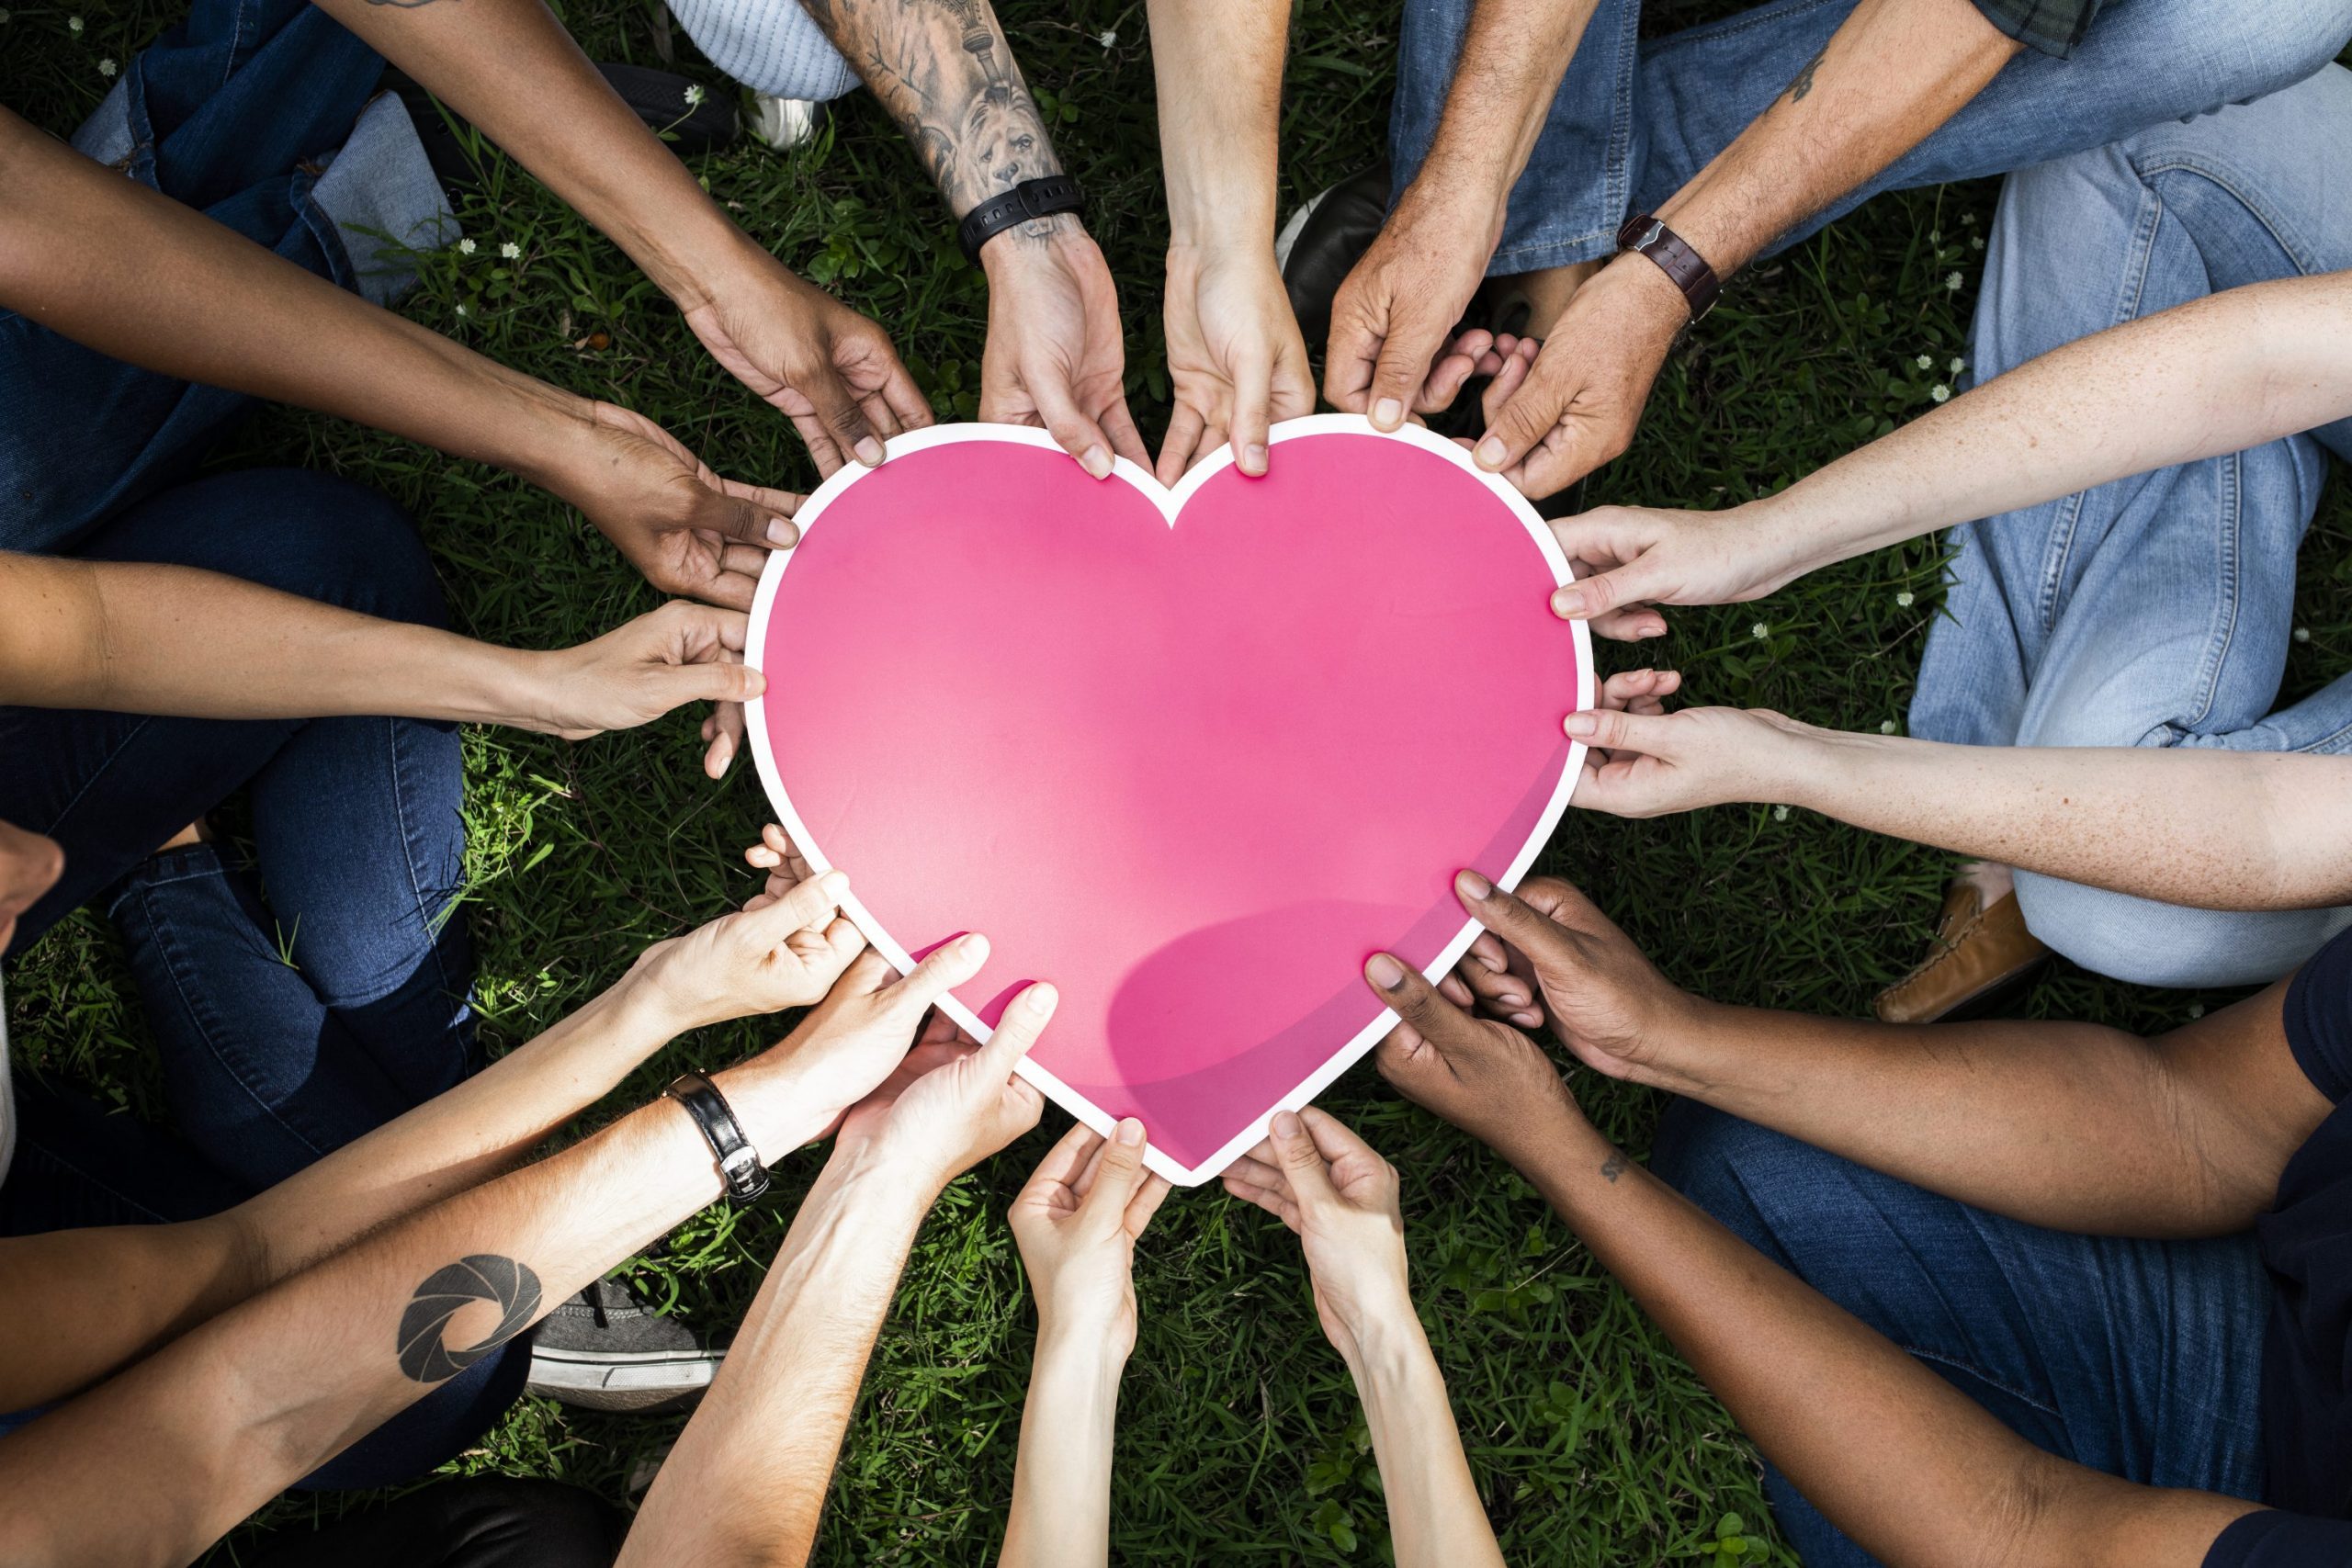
(1169, 503)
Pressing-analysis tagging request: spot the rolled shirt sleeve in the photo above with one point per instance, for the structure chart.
(2052, 27)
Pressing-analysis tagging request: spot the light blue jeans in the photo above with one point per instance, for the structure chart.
(2156, 611)
(1635, 119)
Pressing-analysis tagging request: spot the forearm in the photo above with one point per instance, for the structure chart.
(1513, 56)
(1218, 65)
(111, 265)
(1893, 72)
(1435, 1518)
(2218, 374)
(1061, 1482)
(746, 1483)
(93, 1301)
(127, 638)
(1913, 1469)
(221, 1420)
(2215, 829)
(510, 69)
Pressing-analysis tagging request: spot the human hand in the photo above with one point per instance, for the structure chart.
(1551, 420)
(1055, 356)
(1631, 558)
(831, 371)
(786, 952)
(1077, 1222)
(1388, 354)
(1645, 762)
(1342, 1202)
(950, 1104)
(1235, 358)
(640, 671)
(688, 531)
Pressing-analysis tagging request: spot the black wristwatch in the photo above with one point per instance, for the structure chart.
(1030, 199)
(1684, 267)
(738, 1162)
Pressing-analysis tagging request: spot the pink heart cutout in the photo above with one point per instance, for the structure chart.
(1193, 755)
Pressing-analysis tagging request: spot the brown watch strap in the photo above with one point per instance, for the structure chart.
(1686, 268)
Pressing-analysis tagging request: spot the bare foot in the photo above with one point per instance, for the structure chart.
(1992, 882)
(1546, 293)
(194, 832)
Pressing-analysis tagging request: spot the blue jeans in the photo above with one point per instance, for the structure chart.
(2154, 611)
(1634, 120)
(2141, 1359)
(287, 1021)
(256, 113)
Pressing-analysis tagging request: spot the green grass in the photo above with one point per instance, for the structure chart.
(1240, 1438)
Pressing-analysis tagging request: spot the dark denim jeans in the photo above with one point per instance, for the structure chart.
(1634, 121)
(295, 1010)
(2141, 1359)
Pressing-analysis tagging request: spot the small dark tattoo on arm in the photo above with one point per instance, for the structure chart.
(424, 1353)
(1613, 1167)
(1803, 83)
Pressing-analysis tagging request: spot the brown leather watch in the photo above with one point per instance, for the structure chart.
(1686, 268)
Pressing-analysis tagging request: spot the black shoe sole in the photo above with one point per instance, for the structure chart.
(657, 97)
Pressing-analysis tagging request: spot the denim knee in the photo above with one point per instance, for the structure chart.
(306, 533)
(1717, 1160)
(2277, 43)
(2149, 943)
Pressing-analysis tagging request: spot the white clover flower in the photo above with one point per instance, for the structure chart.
(462, 310)
(2196, 1009)
(4, 17)
(1939, 392)
(107, 67)
(511, 250)
(694, 95)
(1887, 726)
(1969, 219)
(1958, 365)
(465, 247)
(1108, 40)
(1903, 600)
(1924, 361)
(73, 23)
(2303, 634)
(1760, 631)
(1935, 236)
(1779, 814)
(1951, 283)
(1976, 241)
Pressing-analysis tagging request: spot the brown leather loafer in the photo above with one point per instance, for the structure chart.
(1981, 958)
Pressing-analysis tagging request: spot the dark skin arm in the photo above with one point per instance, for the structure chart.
(1912, 1469)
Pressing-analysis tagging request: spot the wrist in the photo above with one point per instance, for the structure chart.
(1643, 288)
(1386, 1336)
(1029, 244)
(770, 1096)
(1082, 1344)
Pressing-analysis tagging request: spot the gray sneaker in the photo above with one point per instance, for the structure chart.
(605, 1349)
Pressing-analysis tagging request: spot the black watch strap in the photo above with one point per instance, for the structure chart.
(1031, 198)
(1684, 266)
(738, 1162)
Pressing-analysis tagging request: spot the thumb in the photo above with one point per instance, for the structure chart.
(804, 906)
(747, 518)
(1614, 729)
(1546, 944)
(1072, 430)
(1254, 392)
(1638, 582)
(1523, 421)
(1116, 1176)
(844, 419)
(1309, 1178)
(675, 685)
(1023, 1021)
(1404, 358)
(942, 969)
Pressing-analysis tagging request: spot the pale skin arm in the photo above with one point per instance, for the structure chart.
(128, 638)
(111, 265)
(1392, 316)
(1342, 1199)
(93, 1300)
(2222, 374)
(509, 67)
(1893, 72)
(746, 1483)
(1911, 1468)
(1235, 356)
(2212, 829)
(225, 1417)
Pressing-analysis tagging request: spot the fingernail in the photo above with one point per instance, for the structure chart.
(973, 945)
(1568, 604)
(1286, 1124)
(1096, 462)
(1040, 998)
(1491, 454)
(782, 533)
(1527, 1020)
(869, 452)
(1580, 723)
(1385, 972)
(1388, 413)
(1253, 458)
(1130, 1132)
(1472, 884)
(1511, 998)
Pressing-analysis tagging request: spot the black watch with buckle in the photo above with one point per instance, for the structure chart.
(738, 1162)
(1684, 267)
(1039, 198)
